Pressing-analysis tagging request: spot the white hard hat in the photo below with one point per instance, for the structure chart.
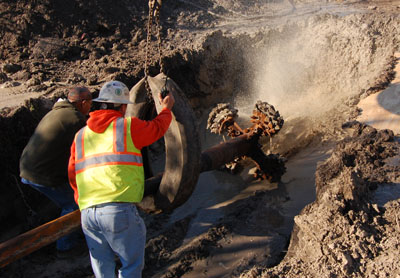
(114, 92)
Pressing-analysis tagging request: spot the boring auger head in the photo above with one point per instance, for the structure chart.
(266, 121)
(222, 119)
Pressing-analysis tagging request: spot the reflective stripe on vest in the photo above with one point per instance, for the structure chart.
(120, 157)
(108, 159)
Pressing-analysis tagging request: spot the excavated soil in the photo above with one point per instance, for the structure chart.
(335, 213)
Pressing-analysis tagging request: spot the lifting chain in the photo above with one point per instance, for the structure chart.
(154, 12)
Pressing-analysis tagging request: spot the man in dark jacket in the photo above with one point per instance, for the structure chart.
(44, 161)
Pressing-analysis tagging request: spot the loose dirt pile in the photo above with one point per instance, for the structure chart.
(350, 230)
(313, 64)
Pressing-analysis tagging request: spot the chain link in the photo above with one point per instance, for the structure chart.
(158, 28)
(154, 12)
(148, 40)
(149, 97)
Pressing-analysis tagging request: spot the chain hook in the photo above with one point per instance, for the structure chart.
(154, 13)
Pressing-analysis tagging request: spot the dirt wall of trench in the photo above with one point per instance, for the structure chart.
(347, 232)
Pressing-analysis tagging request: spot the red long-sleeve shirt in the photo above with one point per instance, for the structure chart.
(143, 133)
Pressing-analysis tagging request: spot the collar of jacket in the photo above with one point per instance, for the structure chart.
(99, 120)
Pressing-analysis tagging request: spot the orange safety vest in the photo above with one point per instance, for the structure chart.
(108, 166)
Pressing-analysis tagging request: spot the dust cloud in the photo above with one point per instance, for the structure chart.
(284, 78)
(309, 68)
(314, 72)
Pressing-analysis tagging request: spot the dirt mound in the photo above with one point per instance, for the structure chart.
(22, 21)
(346, 232)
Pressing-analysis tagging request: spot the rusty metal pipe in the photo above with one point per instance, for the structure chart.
(216, 156)
(43, 235)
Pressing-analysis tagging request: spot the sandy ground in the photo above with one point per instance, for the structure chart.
(14, 97)
(335, 213)
(382, 110)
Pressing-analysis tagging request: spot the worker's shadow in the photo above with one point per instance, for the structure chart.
(256, 209)
(389, 99)
(386, 193)
(259, 214)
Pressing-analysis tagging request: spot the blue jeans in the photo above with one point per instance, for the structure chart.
(63, 197)
(115, 229)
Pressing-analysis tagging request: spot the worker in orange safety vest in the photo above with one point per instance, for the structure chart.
(106, 173)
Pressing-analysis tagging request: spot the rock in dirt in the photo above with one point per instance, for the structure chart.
(3, 77)
(23, 75)
(49, 48)
(11, 68)
(33, 82)
(10, 84)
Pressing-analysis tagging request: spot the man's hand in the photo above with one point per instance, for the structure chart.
(167, 101)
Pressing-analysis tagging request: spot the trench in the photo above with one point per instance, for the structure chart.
(314, 74)
(313, 70)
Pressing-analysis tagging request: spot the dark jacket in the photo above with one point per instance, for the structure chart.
(45, 158)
